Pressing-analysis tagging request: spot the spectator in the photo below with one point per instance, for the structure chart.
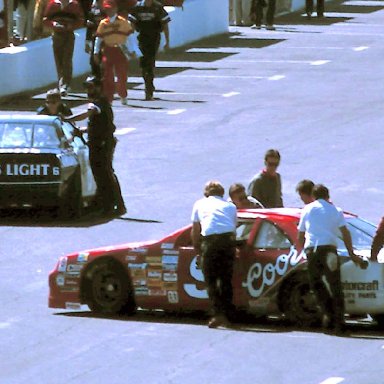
(113, 32)
(240, 199)
(150, 19)
(24, 19)
(304, 188)
(63, 17)
(213, 237)
(266, 185)
(257, 13)
(54, 105)
(236, 12)
(378, 240)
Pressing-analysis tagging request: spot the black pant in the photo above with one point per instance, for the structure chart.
(149, 48)
(108, 187)
(259, 13)
(218, 252)
(63, 45)
(319, 7)
(324, 279)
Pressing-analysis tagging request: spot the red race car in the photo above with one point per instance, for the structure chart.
(269, 273)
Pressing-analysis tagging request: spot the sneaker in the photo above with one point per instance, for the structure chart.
(64, 89)
(256, 26)
(218, 321)
(271, 27)
(123, 100)
(309, 15)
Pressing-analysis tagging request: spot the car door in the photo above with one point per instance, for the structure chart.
(81, 150)
(268, 255)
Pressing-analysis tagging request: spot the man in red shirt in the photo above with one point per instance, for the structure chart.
(63, 17)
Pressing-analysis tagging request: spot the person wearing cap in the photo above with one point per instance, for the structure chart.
(53, 105)
(214, 223)
(63, 17)
(266, 185)
(149, 18)
(111, 39)
(102, 144)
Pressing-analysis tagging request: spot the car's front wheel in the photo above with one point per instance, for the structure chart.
(107, 288)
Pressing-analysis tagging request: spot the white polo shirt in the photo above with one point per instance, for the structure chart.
(215, 215)
(321, 220)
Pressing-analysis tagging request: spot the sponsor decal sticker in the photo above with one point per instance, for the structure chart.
(29, 170)
(169, 267)
(60, 280)
(71, 281)
(174, 252)
(82, 257)
(170, 276)
(360, 289)
(259, 276)
(153, 259)
(62, 264)
(131, 258)
(169, 259)
(173, 297)
(69, 305)
(141, 251)
(154, 274)
(139, 282)
(167, 246)
(137, 266)
(74, 268)
(157, 292)
(141, 291)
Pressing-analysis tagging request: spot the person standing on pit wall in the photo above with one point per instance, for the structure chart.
(150, 18)
(319, 8)
(319, 228)
(54, 105)
(213, 237)
(111, 39)
(236, 12)
(305, 188)
(63, 17)
(102, 145)
(266, 185)
(257, 13)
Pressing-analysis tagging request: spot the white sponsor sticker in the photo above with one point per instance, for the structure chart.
(74, 268)
(173, 297)
(82, 257)
(169, 259)
(60, 280)
(62, 264)
(170, 276)
(167, 246)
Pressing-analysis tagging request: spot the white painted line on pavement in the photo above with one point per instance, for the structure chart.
(276, 77)
(359, 49)
(124, 131)
(320, 62)
(366, 3)
(270, 61)
(176, 111)
(333, 380)
(230, 94)
(220, 76)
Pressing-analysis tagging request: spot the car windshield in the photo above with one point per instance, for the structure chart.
(28, 135)
(362, 233)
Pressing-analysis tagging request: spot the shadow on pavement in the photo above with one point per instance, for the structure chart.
(51, 218)
(244, 323)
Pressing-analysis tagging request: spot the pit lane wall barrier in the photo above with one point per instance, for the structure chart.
(32, 66)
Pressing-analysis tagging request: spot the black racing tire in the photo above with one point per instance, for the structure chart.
(106, 288)
(299, 303)
(72, 204)
(379, 319)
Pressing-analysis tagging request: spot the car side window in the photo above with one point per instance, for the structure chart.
(243, 230)
(270, 236)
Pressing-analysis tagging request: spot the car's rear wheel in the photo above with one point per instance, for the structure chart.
(299, 303)
(107, 288)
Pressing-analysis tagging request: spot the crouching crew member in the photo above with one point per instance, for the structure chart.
(54, 105)
(213, 237)
(102, 144)
(150, 18)
(111, 38)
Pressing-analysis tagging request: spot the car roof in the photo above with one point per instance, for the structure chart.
(276, 213)
(18, 118)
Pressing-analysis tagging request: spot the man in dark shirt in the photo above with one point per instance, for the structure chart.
(149, 18)
(102, 144)
(266, 185)
(53, 105)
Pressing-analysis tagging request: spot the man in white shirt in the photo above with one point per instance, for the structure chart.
(320, 225)
(213, 236)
